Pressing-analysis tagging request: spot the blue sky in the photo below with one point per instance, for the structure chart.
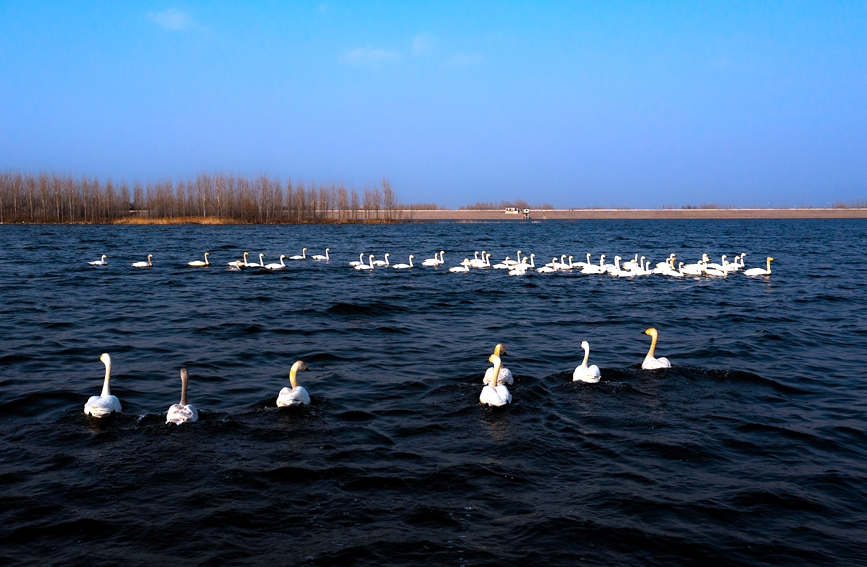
(569, 103)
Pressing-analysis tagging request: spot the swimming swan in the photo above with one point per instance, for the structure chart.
(320, 257)
(434, 261)
(586, 373)
(147, 264)
(651, 363)
(359, 262)
(182, 412)
(239, 263)
(100, 262)
(199, 263)
(261, 264)
(760, 271)
(505, 375)
(276, 266)
(303, 255)
(463, 268)
(404, 266)
(382, 262)
(296, 395)
(495, 394)
(104, 404)
(366, 266)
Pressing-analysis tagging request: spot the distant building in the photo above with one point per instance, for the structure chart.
(512, 210)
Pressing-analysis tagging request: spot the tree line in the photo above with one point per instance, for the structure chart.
(47, 197)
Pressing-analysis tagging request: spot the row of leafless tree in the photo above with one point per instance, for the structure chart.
(487, 206)
(51, 198)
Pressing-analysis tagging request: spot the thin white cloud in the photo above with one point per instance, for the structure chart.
(172, 19)
(368, 57)
(465, 60)
(423, 44)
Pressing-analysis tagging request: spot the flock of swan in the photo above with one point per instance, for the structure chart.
(494, 393)
(518, 267)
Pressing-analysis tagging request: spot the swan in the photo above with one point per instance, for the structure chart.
(359, 262)
(239, 263)
(495, 394)
(568, 266)
(199, 263)
(583, 265)
(100, 262)
(261, 264)
(481, 262)
(276, 266)
(463, 268)
(296, 395)
(521, 269)
(693, 269)
(630, 264)
(643, 269)
(382, 262)
(651, 363)
(548, 268)
(105, 403)
(716, 266)
(760, 271)
(320, 257)
(617, 272)
(505, 375)
(504, 265)
(669, 262)
(303, 255)
(366, 266)
(147, 264)
(594, 269)
(404, 266)
(678, 273)
(182, 412)
(517, 262)
(434, 261)
(586, 373)
(714, 271)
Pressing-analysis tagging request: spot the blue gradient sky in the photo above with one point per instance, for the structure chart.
(570, 103)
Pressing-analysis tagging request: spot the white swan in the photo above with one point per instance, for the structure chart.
(548, 268)
(434, 261)
(586, 373)
(147, 264)
(630, 264)
(100, 262)
(359, 262)
(594, 269)
(276, 266)
(521, 269)
(366, 266)
(303, 255)
(182, 412)
(481, 262)
(760, 271)
(678, 273)
(199, 263)
(583, 265)
(321, 258)
(495, 394)
(239, 263)
(382, 262)
(296, 395)
(509, 262)
(261, 264)
(669, 263)
(651, 363)
(463, 268)
(617, 272)
(404, 266)
(504, 265)
(105, 403)
(566, 267)
(505, 375)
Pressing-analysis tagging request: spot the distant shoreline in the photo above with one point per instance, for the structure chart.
(640, 214)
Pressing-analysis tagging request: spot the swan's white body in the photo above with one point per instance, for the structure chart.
(276, 266)
(482, 262)
(366, 266)
(359, 262)
(199, 263)
(513, 263)
(669, 263)
(303, 255)
(651, 363)
(521, 269)
(462, 269)
(182, 412)
(505, 375)
(504, 265)
(760, 271)
(594, 269)
(630, 264)
(582, 265)
(404, 266)
(239, 263)
(100, 262)
(584, 373)
(616, 271)
(261, 264)
(147, 264)
(548, 268)
(382, 262)
(495, 394)
(105, 403)
(434, 261)
(296, 395)
(321, 258)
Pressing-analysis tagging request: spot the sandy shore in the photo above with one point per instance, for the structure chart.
(612, 214)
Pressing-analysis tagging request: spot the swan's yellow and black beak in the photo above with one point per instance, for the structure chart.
(651, 331)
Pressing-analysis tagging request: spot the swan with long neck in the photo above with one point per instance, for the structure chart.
(276, 266)
(321, 258)
(593, 268)
(359, 262)
(760, 271)
(434, 261)
(584, 373)
(296, 395)
(147, 264)
(303, 255)
(462, 269)
(495, 394)
(404, 266)
(261, 264)
(100, 262)
(504, 265)
(366, 266)
(383, 263)
(183, 412)
(103, 404)
(504, 376)
(239, 263)
(651, 363)
(199, 263)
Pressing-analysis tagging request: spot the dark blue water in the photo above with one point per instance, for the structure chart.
(751, 450)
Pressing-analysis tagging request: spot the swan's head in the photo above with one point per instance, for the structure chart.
(298, 366)
(585, 345)
(724, 256)
(411, 256)
(207, 253)
(652, 332)
(386, 254)
(494, 359)
(150, 256)
(105, 358)
(499, 350)
(282, 256)
(245, 255)
(770, 259)
(104, 257)
(571, 257)
(618, 258)
(532, 255)
(644, 257)
(184, 375)
(303, 250)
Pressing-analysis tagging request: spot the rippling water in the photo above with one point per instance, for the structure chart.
(750, 451)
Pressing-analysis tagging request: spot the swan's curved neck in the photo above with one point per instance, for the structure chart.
(769, 265)
(586, 356)
(652, 346)
(293, 380)
(206, 260)
(184, 380)
(105, 389)
(496, 376)
(410, 261)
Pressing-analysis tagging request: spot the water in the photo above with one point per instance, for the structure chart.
(750, 451)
